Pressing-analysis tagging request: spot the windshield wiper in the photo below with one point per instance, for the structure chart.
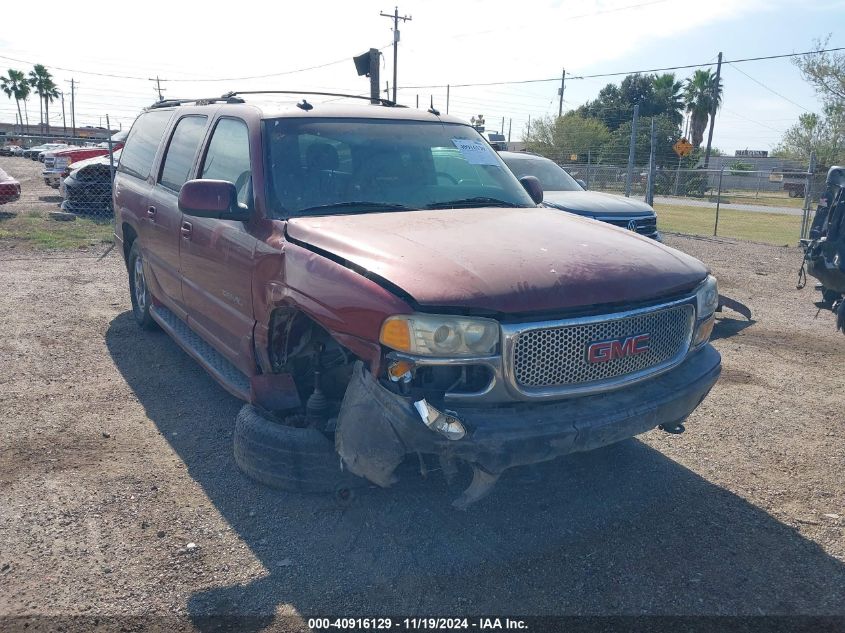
(478, 201)
(367, 206)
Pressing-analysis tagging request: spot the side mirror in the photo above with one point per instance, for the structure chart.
(581, 183)
(533, 187)
(211, 199)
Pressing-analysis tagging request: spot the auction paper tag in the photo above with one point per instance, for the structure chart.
(475, 152)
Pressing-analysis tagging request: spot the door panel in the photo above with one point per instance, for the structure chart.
(217, 259)
(163, 218)
(217, 256)
(161, 236)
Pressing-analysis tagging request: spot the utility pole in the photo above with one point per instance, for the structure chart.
(64, 120)
(395, 17)
(158, 87)
(447, 98)
(560, 92)
(510, 124)
(72, 107)
(713, 111)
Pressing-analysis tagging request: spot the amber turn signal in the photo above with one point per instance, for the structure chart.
(705, 329)
(399, 369)
(396, 334)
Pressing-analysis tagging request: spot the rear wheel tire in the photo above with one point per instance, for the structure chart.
(289, 458)
(139, 291)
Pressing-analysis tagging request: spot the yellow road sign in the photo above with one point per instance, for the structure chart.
(682, 147)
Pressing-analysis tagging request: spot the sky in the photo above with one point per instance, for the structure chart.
(111, 50)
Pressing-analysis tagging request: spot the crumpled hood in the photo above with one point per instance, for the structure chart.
(596, 203)
(502, 260)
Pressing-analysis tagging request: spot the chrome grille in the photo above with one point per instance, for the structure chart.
(557, 356)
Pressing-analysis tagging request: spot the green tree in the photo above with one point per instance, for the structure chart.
(667, 97)
(615, 150)
(609, 107)
(655, 94)
(702, 98)
(560, 138)
(826, 72)
(42, 82)
(15, 86)
(824, 135)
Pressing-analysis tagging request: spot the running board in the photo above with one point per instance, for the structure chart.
(230, 377)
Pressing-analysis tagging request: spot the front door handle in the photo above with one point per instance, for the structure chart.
(151, 212)
(186, 230)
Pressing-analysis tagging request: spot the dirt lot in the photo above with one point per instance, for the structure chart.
(116, 454)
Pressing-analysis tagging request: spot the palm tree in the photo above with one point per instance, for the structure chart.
(16, 87)
(51, 93)
(42, 81)
(702, 98)
(667, 94)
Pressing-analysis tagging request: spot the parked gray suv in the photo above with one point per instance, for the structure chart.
(562, 191)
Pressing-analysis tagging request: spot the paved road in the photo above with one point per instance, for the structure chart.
(757, 208)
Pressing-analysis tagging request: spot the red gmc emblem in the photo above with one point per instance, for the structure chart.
(605, 351)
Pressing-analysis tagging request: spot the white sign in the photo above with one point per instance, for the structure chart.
(475, 152)
(751, 153)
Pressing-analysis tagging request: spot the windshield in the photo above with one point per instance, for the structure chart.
(550, 175)
(326, 166)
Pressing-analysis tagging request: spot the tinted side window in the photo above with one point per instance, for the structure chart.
(181, 151)
(227, 157)
(142, 143)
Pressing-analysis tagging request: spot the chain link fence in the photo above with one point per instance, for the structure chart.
(773, 205)
(65, 189)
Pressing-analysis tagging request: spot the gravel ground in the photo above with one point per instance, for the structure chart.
(116, 455)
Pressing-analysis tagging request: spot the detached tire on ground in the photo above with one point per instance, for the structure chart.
(288, 458)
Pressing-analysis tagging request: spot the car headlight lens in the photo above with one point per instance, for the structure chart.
(707, 297)
(432, 335)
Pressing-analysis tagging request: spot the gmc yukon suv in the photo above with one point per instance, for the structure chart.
(375, 283)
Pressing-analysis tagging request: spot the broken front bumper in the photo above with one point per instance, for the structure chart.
(377, 428)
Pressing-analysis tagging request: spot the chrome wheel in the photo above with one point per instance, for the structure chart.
(140, 284)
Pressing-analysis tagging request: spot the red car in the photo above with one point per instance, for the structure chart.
(329, 265)
(10, 189)
(57, 164)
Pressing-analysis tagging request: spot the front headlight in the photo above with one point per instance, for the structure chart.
(433, 335)
(707, 297)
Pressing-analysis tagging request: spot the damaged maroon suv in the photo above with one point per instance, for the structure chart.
(374, 282)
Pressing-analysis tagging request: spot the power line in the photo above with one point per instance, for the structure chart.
(774, 92)
(628, 72)
(113, 76)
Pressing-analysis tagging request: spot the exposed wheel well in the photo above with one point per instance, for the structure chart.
(293, 340)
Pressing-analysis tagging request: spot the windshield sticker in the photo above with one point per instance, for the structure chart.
(475, 152)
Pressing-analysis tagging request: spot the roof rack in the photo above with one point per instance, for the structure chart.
(384, 102)
(168, 103)
(232, 97)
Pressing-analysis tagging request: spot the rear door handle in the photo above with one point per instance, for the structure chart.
(186, 230)
(151, 212)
